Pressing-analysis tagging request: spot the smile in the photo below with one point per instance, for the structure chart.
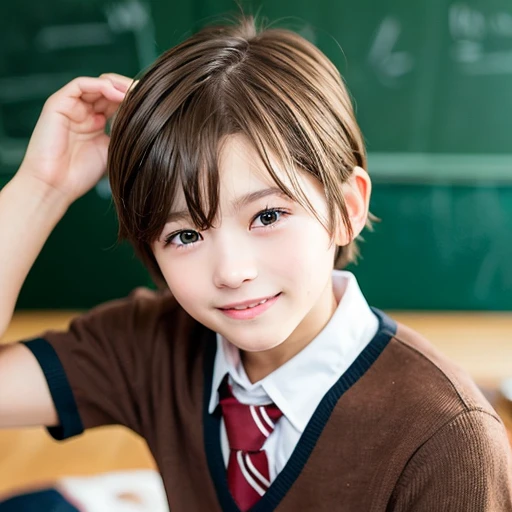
(248, 311)
(251, 306)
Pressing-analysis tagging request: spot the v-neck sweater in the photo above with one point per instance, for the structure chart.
(402, 429)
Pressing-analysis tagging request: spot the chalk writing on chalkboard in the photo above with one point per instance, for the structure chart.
(59, 46)
(482, 41)
(389, 64)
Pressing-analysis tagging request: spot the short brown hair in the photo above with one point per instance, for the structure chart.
(272, 86)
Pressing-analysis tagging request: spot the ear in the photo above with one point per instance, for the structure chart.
(356, 191)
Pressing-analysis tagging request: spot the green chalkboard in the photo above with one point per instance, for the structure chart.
(432, 85)
(432, 80)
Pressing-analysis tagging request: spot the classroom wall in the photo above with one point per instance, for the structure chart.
(431, 81)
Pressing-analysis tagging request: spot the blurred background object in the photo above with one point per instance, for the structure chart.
(432, 84)
(121, 491)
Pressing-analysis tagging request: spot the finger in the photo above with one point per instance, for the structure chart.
(120, 82)
(110, 111)
(106, 107)
(101, 105)
(91, 97)
(93, 123)
(69, 101)
(85, 85)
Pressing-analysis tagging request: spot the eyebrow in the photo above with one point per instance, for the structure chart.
(238, 203)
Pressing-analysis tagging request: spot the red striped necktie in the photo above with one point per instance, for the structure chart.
(247, 427)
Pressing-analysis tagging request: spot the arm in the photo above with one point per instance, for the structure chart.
(65, 158)
(466, 465)
(29, 211)
(24, 395)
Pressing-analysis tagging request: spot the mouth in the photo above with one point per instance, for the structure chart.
(248, 304)
(250, 310)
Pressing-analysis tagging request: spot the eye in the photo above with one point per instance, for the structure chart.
(184, 238)
(270, 216)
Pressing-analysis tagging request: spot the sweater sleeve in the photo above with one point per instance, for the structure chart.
(98, 370)
(466, 465)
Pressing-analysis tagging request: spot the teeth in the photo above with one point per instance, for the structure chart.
(251, 305)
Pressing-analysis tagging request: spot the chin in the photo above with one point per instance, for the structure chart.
(258, 346)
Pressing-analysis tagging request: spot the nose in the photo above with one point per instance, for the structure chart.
(233, 263)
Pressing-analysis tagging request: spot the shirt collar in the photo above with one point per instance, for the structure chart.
(299, 385)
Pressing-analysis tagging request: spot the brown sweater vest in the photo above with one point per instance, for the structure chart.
(402, 429)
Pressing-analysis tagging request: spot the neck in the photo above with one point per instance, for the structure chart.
(258, 365)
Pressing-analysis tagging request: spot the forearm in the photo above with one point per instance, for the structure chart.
(29, 210)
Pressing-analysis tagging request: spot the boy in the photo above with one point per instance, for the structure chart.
(261, 379)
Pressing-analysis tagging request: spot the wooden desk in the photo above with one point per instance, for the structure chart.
(479, 342)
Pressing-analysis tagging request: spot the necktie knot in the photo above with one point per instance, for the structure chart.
(247, 426)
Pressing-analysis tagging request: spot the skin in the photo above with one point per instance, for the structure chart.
(248, 255)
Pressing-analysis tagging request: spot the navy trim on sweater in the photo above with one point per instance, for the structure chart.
(70, 423)
(38, 501)
(285, 479)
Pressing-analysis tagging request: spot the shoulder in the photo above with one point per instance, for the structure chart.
(143, 315)
(140, 330)
(103, 368)
(425, 371)
(141, 307)
(454, 450)
(416, 391)
(465, 465)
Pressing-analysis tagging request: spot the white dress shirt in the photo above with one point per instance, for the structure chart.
(298, 386)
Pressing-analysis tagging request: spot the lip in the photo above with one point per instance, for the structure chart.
(245, 302)
(247, 314)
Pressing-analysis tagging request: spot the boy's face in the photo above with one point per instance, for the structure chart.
(250, 256)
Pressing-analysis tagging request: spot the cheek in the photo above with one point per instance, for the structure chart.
(314, 271)
(303, 256)
(308, 244)
(183, 282)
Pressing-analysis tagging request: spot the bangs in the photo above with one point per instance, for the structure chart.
(183, 160)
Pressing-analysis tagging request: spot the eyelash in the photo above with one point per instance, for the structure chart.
(168, 239)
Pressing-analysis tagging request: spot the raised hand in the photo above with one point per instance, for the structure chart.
(68, 148)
